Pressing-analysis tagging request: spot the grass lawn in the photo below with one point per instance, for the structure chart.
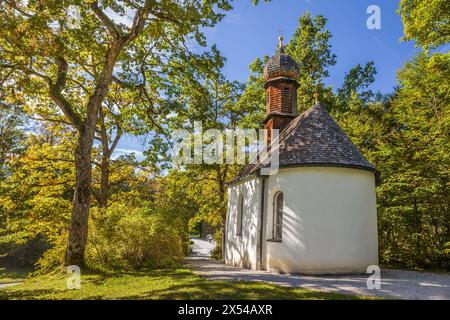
(155, 284)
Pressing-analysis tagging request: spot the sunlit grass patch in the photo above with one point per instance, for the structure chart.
(155, 284)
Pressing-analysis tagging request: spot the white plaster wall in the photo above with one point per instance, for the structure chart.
(329, 221)
(242, 250)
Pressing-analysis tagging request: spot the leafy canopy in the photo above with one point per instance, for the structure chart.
(426, 21)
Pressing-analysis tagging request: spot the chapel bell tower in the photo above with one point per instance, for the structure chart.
(280, 73)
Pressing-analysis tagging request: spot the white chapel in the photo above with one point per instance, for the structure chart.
(317, 214)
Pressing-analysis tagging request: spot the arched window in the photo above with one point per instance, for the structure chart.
(240, 215)
(278, 204)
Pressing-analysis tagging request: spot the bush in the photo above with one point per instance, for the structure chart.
(53, 258)
(120, 237)
(216, 253)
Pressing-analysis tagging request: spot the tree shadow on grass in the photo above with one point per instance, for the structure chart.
(13, 274)
(25, 294)
(179, 270)
(233, 290)
(186, 285)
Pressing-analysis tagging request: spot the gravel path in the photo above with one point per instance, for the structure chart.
(395, 284)
(201, 248)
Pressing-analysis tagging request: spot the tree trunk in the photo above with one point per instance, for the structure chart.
(104, 182)
(81, 201)
(223, 229)
(223, 210)
(86, 129)
(107, 151)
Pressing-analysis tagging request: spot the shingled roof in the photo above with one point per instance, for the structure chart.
(314, 139)
(281, 65)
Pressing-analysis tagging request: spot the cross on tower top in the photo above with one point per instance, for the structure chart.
(280, 38)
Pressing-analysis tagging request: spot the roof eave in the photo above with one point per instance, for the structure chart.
(257, 172)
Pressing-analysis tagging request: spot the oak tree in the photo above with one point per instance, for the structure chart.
(73, 68)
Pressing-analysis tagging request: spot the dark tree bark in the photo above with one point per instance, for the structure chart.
(107, 151)
(81, 200)
(104, 183)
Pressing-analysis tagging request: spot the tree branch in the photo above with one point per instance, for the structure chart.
(116, 140)
(138, 23)
(109, 24)
(59, 99)
(27, 70)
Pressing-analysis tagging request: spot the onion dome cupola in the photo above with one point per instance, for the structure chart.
(281, 73)
(281, 65)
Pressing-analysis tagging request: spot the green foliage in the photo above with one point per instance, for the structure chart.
(216, 253)
(415, 196)
(357, 81)
(69, 75)
(426, 22)
(23, 256)
(35, 199)
(406, 136)
(254, 95)
(53, 259)
(214, 102)
(310, 47)
(12, 135)
(132, 239)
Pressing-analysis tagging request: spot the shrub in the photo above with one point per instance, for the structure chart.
(216, 253)
(120, 237)
(53, 258)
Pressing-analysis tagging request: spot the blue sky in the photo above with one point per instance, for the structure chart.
(249, 31)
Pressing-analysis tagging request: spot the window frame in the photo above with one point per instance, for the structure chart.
(239, 215)
(277, 216)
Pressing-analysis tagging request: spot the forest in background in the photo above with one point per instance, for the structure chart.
(65, 198)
